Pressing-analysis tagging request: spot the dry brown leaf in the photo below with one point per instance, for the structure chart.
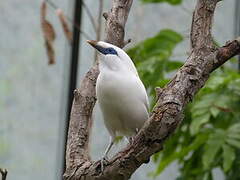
(48, 31)
(43, 10)
(50, 52)
(49, 34)
(66, 29)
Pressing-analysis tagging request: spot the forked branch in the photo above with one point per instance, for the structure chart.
(77, 154)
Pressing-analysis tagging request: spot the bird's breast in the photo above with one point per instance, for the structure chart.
(121, 101)
(111, 86)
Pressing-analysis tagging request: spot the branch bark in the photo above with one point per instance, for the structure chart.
(172, 99)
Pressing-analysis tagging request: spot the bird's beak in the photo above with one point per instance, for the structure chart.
(95, 45)
(92, 43)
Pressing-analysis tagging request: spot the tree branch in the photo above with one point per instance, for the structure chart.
(226, 52)
(172, 99)
(4, 173)
(99, 28)
(202, 24)
(90, 16)
(77, 154)
(116, 20)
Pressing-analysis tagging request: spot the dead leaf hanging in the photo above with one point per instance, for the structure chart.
(49, 34)
(50, 52)
(65, 26)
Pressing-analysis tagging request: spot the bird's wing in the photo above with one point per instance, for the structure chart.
(132, 67)
(127, 61)
(143, 94)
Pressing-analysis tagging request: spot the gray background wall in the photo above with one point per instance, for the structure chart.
(32, 94)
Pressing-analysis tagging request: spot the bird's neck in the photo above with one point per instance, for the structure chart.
(110, 64)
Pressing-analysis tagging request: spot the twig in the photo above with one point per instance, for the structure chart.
(90, 16)
(55, 7)
(202, 24)
(3, 173)
(51, 4)
(99, 28)
(49, 34)
(127, 41)
(66, 29)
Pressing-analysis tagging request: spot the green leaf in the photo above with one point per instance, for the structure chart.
(206, 101)
(199, 140)
(234, 128)
(234, 132)
(234, 136)
(118, 139)
(173, 65)
(198, 122)
(172, 2)
(200, 112)
(233, 142)
(160, 46)
(214, 111)
(215, 82)
(223, 101)
(214, 143)
(228, 157)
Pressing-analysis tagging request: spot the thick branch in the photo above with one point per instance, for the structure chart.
(80, 122)
(226, 52)
(116, 20)
(77, 154)
(166, 116)
(202, 24)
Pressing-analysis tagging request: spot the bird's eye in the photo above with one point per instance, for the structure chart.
(111, 51)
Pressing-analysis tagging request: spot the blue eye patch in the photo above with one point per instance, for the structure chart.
(106, 50)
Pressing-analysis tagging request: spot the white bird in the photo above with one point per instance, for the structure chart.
(120, 93)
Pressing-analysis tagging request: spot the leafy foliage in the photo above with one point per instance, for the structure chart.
(210, 134)
(172, 2)
(152, 57)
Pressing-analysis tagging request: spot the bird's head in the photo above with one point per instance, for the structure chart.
(112, 56)
(104, 48)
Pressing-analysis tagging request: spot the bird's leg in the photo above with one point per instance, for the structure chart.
(105, 158)
(136, 130)
(111, 142)
(131, 138)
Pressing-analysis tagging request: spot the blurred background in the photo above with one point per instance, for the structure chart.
(35, 97)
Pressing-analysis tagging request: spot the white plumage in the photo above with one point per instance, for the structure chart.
(120, 92)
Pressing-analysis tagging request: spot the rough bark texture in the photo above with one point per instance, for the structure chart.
(172, 99)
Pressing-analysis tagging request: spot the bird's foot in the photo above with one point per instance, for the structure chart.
(104, 161)
(130, 140)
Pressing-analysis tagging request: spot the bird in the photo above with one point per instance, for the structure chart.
(121, 94)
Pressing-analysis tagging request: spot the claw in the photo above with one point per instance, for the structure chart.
(130, 140)
(104, 161)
